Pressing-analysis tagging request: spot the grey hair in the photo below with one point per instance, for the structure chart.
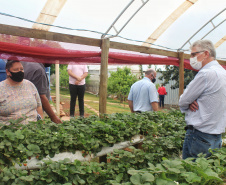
(205, 45)
(150, 71)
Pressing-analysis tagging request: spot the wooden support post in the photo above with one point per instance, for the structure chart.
(103, 77)
(57, 89)
(181, 73)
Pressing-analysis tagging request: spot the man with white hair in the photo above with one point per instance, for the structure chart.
(143, 94)
(204, 102)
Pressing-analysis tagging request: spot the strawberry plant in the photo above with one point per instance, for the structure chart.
(157, 163)
(185, 172)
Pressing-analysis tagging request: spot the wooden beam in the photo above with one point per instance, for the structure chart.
(46, 35)
(187, 56)
(49, 14)
(181, 73)
(169, 21)
(221, 41)
(222, 62)
(142, 49)
(103, 77)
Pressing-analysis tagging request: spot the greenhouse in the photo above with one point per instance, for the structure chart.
(110, 145)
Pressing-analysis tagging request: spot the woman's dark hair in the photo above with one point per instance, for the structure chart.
(10, 63)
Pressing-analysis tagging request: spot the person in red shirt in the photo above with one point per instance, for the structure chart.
(162, 92)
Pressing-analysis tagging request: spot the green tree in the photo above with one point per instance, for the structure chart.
(119, 82)
(172, 73)
(141, 71)
(64, 77)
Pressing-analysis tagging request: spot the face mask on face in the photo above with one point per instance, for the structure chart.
(18, 76)
(195, 64)
(153, 79)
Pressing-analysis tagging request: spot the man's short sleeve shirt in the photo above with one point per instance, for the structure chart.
(35, 72)
(143, 93)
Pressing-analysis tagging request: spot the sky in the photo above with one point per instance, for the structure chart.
(98, 15)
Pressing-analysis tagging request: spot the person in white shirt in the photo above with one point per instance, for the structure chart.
(77, 75)
(204, 102)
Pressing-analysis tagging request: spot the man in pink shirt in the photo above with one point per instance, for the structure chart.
(77, 75)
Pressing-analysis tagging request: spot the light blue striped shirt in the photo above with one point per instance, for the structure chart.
(209, 89)
(143, 93)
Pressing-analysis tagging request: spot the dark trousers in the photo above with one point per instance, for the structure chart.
(77, 90)
(161, 100)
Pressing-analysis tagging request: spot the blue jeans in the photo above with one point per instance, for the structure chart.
(196, 142)
(161, 100)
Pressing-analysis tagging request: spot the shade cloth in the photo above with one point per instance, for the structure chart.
(34, 50)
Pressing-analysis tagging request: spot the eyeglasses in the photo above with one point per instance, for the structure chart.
(193, 54)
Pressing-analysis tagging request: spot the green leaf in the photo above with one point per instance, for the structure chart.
(147, 177)
(2, 145)
(191, 177)
(34, 148)
(136, 179)
(10, 134)
(151, 166)
(29, 178)
(203, 163)
(174, 170)
(49, 180)
(81, 181)
(5, 179)
(132, 172)
(211, 174)
(160, 181)
(29, 153)
(19, 134)
(119, 177)
(66, 160)
(21, 147)
(159, 167)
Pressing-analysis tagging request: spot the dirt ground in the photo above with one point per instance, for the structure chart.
(66, 108)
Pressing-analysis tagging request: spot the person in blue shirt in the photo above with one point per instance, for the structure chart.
(204, 102)
(2, 70)
(143, 94)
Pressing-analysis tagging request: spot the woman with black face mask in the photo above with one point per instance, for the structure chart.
(18, 97)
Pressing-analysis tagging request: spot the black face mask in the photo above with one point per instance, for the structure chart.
(153, 80)
(18, 76)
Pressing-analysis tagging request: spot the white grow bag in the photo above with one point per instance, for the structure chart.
(32, 163)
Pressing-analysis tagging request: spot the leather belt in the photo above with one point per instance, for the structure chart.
(189, 127)
(138, 111)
